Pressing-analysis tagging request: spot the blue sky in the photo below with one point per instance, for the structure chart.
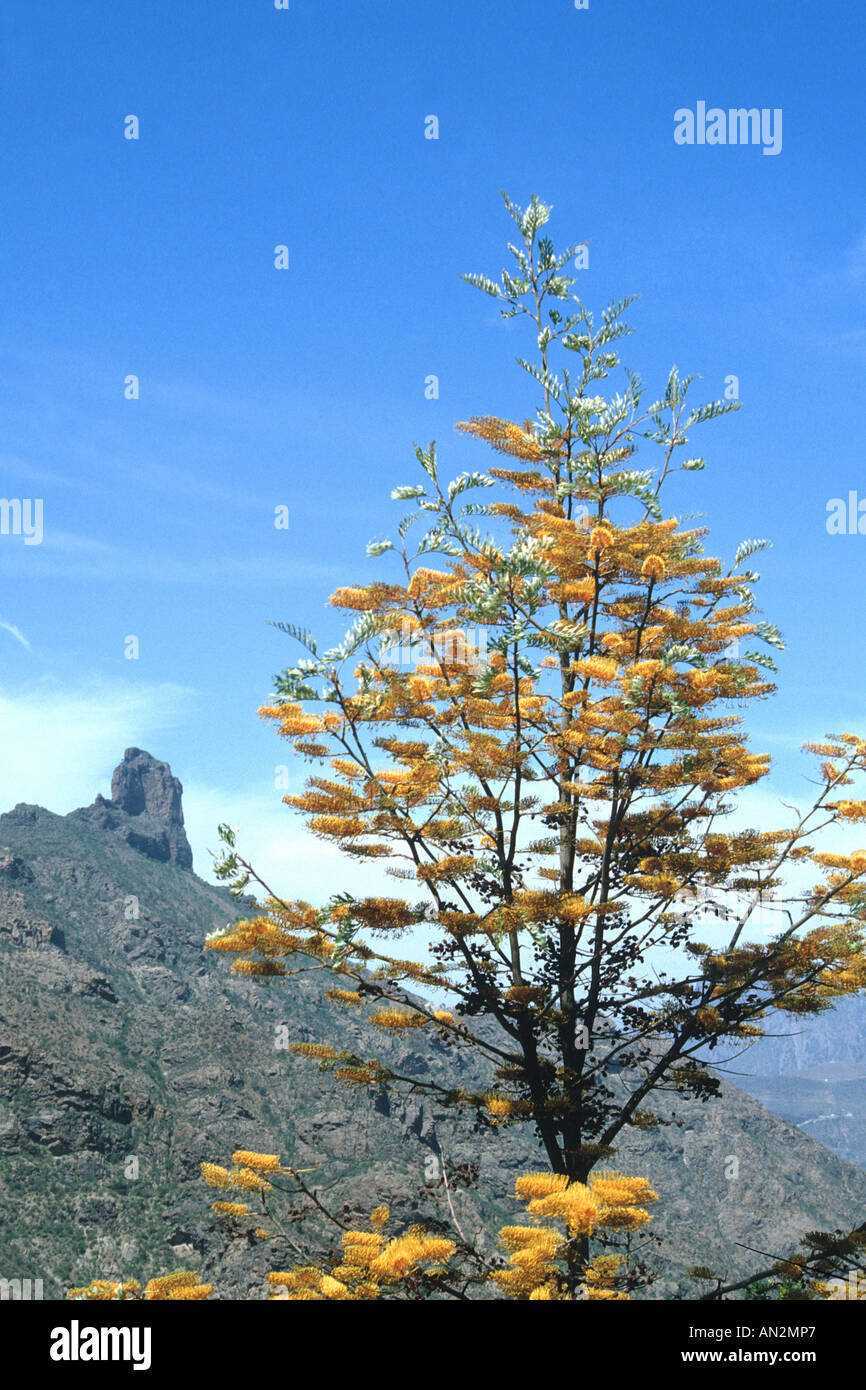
(305, 387)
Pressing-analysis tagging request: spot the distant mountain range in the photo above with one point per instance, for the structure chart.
(128, 1055)
(813, 1073)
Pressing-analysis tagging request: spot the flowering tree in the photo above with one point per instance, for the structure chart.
(552, 775)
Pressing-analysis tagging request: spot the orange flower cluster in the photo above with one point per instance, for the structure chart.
(368, 1264)
(609, 1200)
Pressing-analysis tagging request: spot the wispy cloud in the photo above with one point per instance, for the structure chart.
(65, 555)
(17, 467)
(15, 632)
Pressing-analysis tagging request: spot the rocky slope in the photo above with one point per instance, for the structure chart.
(128, 1055)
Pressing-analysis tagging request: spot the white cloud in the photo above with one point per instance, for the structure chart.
(292, 861)
(58, 746)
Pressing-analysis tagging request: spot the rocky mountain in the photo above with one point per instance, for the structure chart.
(145, 809)
(813, 1073)
(128, 1055)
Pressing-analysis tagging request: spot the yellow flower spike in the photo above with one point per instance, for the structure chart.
(172, 1286)
(623, 1218)
(372, 1239)
(598, 668)
(258, 967)
(600, 538)
(333, 1288)
(230, 1208)
(616, 1189)
(263, 1163)
(539, 1185)
(520, 1237)
(345, 996)
(653, 567)
(397, 1020)
(576, 1206)
(248, 1181)
(357, 1076)
(403, 1256)
(215, 1176)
